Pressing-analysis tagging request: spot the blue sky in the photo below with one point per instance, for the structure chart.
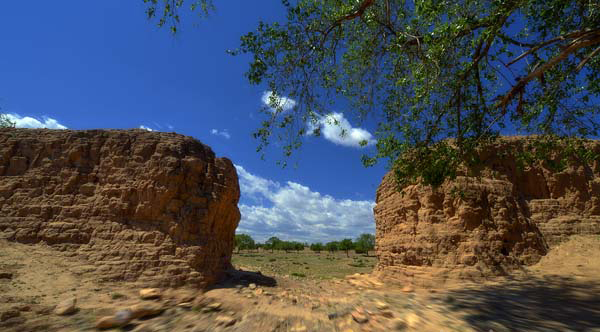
(100, 64)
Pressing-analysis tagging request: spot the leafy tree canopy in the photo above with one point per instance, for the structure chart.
(364, 243)
(5, 122)
(332, 246)
(166, 12)
(244, 242)
(272, 242)
(441, 77)
(346, 244)
(318, 247)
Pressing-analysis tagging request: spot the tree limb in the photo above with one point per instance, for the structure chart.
(575, 34)
(586, 59)
(517, 88)
(357, 13)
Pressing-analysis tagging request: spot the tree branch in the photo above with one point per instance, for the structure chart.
(517, 88)
(586, 59)
(357, 13)
(575, 34)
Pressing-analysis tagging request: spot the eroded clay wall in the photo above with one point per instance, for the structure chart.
(484, 224)
(157, 208)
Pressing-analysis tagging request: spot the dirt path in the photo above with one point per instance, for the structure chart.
(561, 293)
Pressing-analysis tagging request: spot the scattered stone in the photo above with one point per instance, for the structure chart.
(188, 297)
(145, 309)
(299, 328)
(225, 320)
(408, 289)
(359, 317)
(399, 325)
(387, 313)
(412, 319)
(150, 293)
(259, 291)
(215, 306)
(6, 275)
(120, 318)
(252, 286)
(381, 305)
(185, 305)
(66, 307)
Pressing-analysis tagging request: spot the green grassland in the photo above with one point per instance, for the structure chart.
(304, 264)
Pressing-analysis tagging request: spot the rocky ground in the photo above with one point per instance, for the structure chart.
(45, 290)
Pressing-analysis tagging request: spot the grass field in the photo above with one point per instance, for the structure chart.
(304, 264)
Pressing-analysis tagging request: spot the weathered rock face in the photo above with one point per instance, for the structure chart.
(487, 225)
(157, 208)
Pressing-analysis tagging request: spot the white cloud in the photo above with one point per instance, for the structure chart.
(146, 128)
(29, 122)
(277, 103)
(170, 127)
(223, 133)
(294, 212)
(253, 185)
(338, 130)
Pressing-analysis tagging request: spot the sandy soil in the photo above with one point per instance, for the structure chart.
(560, 293)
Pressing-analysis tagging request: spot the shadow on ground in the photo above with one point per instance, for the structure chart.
(534, 304)
(233, 278)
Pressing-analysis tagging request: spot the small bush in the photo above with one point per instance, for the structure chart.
(300, 275)
(272, 259)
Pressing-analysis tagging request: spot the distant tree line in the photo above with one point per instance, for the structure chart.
(361, 245)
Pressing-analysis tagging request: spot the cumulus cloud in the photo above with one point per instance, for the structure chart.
(223, 133)
(146, 128)
(277, 103)
(29, 122)
(338, 130)
(292, 211)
